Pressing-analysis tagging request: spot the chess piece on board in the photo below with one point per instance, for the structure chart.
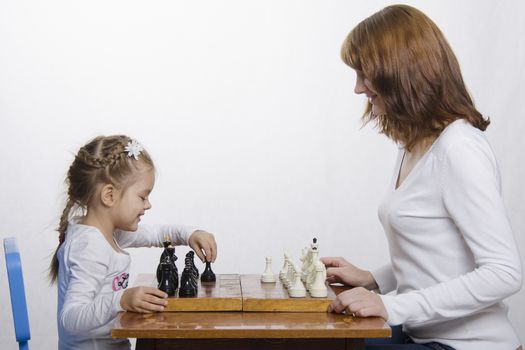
(190, 260)
(315, 245)
(168, 257)
(297, 289)
(285, 266)
(188, 286)
(268, 276)
(208, 275)
(318, 287)
(165, 243)
(167, 282)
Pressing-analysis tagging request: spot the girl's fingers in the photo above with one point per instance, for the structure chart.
(155, 300)
(200, 255)
(210, 250)
(149, 307)
(156, 292)
(213, 251)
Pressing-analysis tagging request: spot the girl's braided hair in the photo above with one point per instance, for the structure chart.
(102, 160)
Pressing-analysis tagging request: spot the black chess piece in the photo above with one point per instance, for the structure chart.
(168, 257)
(187, 288)
(166, 244)
(167, 281)
(190, 264)
(190, 256)
(208, 275)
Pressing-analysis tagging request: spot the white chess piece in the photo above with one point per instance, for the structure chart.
(297, 289)
(290, 275)
(310, 273)
(268, 276)
(282, 273)
(318, 287)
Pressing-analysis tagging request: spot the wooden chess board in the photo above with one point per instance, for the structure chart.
(233, 292)
(222, 295)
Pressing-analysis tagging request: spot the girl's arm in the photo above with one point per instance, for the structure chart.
(202, 242)
(471, 193)
(85, 310)
(153, 236)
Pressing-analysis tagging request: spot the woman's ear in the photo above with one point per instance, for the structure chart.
(108, 195)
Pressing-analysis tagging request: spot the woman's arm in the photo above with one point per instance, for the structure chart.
(471, 194)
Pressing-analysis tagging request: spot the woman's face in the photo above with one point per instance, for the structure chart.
(364, 86)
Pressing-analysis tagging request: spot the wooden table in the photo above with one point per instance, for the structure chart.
(251, 315)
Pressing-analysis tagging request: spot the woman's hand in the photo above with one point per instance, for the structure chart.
(359, 302)
(143, 299)
(203, 243)
(341, 271)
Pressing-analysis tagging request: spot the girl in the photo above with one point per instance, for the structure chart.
(453, 254)
(109, 181)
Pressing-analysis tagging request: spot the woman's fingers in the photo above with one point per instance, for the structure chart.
(332, 261)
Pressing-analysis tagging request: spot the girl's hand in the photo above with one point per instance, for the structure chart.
(359, 302)
(341, 271)
(203, 243)
(143, 299)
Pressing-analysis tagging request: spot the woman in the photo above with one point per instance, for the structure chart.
(453, 254)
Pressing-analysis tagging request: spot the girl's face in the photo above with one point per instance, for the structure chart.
(133, 200)
(364, 86)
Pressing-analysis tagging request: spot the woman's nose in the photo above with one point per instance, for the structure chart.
(360, 86)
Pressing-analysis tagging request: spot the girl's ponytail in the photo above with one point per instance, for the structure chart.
(62, 227)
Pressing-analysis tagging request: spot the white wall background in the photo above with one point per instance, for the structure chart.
(248, 112)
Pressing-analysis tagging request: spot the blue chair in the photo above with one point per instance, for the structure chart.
(17, 292)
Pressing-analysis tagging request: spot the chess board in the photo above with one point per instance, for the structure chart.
(233, 292)
(221, 295)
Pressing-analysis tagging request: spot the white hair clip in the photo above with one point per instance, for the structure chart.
(133, 148)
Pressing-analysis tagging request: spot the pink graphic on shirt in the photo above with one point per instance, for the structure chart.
(120, 282)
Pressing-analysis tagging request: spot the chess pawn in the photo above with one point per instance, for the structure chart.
(268, 276)
(297, 289)
(187, 288)
(318, 288)
(208, 275)
(167, 283)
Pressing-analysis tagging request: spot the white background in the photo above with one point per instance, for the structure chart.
(248, 112)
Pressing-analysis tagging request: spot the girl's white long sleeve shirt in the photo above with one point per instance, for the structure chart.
(92, 277)
(453, 254)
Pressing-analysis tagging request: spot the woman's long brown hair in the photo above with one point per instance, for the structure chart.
(413, 69)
